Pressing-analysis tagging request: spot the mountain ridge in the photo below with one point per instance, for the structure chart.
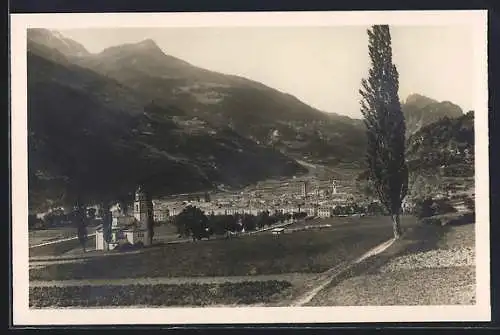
(85, 139)
(420, 111)
(170, 118)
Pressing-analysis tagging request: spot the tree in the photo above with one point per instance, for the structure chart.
(100, 213)
(385, 125)
(91, 212)
(81, 224)
(150, 218)
(249, 222)
(123, 206)
(107, 221)
(192, 222)
(262, 219)
(217, 224)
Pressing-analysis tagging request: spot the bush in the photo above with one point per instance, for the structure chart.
(431, 221)
(450, 219)
(443, 206)
(466, 218)
(34, 222)
(423, 208)
(129, 247)
(428, 207)
(124, 247)
(470, 204)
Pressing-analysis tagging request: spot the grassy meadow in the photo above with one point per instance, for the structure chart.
(311, 251)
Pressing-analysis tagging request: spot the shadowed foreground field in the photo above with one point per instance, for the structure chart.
(58, 249)
(432, 265)
(244, 293)
(307, 251)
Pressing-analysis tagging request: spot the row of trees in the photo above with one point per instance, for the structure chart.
(58, 218)
(193, 222)
(354, 208)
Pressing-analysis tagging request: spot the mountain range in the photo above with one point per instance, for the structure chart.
(99, 124)
(420, 111)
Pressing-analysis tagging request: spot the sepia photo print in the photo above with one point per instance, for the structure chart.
(250, 168)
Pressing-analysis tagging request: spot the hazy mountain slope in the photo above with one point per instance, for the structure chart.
(91, 134)
(447, 144)
(420, 111)
(54, 40)
(250, 108)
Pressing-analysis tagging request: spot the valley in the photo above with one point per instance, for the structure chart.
(99, 124)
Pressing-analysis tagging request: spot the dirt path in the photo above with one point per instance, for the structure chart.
(290, 277)
(58, 241)
(327, 277)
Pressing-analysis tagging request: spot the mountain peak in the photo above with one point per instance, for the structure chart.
(419, 99)
(55, 40)
(148, 45)
(420, 111)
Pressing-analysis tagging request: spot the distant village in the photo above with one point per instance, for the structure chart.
(315, 200)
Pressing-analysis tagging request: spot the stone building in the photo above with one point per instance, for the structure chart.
(325, 212)
(128, 228)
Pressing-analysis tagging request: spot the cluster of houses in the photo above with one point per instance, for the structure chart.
(165, 210)
(294, 200)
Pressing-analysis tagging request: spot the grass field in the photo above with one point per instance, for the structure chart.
(45, 235)
(51, 234)
(244, 293)
(163, 233)
(335, 222)
(414, 284)
(306, 251)
(58, 249)
(166, 232)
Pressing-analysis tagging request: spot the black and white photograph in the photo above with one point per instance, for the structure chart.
(250, 167)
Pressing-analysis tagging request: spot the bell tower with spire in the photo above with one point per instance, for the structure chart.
(142, 206)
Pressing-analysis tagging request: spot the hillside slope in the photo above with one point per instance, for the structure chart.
(90, 135)
(447, 144)
(255, 111)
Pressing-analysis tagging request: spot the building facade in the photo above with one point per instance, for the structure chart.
(325, 212)
(127, 228)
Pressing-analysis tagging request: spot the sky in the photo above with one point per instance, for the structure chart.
(322, 66)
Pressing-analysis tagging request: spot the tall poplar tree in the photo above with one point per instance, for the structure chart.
(385, 125)
(150, 218)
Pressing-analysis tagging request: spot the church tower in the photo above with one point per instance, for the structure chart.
(334, 187)
(304, 189)
(143, 206)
